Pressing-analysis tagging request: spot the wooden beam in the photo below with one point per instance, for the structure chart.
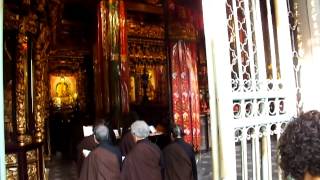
(146, 8)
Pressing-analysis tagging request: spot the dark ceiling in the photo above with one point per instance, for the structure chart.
(76, 29)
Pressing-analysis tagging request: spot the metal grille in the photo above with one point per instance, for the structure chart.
(259, 100)
(297, 50)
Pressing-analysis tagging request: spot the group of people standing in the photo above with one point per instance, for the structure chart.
(136, 157)
(140, 159)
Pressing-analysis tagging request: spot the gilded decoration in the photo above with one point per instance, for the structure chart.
(11, 159)
(32, 155)
(147, 60)
(32, 171)
(40, 88)
(28, 24)
(12, 173)
(63, 90)
(180, 31)
(21, 85)
(146, 51)
(81, 89)
(140, 29)
(11, 20)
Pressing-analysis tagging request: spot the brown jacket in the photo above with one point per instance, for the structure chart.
(101, 164)
(179, 161)
(144, 162)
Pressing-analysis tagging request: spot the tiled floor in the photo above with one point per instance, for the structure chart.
(60, 169)
(204, 166)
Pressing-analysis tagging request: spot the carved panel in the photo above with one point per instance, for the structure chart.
(11, 159)
(12, 174)
(40, 88)
(21, 85)
(32, 155)
(28, 24)
(11, 20)
(32, 171)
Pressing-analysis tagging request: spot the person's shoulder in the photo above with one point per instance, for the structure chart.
(170, 146)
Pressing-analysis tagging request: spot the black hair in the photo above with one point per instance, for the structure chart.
(299, 146)
(176, 131)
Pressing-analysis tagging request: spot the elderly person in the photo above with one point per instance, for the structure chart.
(104, 162)
(179, 158)
(144, 161)
(89, 143)
(299, 147)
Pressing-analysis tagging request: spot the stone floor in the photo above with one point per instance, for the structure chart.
(204, 166)
(60, 169)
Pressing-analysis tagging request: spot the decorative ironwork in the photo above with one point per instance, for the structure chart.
(260, 107)
(297, 48)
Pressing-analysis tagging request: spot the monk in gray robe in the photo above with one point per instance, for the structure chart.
(144, 161)
(180, 163)
(104, 162)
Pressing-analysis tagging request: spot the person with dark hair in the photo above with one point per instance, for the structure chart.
(179, 158)
(299, 147)
(104, 162)
(144, 161)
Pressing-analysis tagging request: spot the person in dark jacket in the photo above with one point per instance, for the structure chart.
(88, 143)
(104, 162)
(179, 158)
(144, 161)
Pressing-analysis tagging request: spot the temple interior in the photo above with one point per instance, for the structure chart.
(68, 63)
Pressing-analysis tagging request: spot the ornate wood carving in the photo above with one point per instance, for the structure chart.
(11, 20)
(40, 89)
(12, 166)
(11, 159)
(32, 171)
(28, 24)
(12, 173)
(32, 155)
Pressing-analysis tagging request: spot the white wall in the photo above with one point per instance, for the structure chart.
(309, 43)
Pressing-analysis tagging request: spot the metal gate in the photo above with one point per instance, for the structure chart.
(251, 84)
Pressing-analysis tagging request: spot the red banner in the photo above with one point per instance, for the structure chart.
(185, 92)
